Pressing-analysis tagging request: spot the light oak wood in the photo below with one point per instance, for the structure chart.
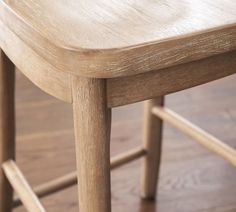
(22, 187)
(92, 123)
(113, 38)
(71, 178)
(126, 90)
(126, 157)
(153, 145)
(36, 68)
(7, 127)
(102, 54)
(191, 179)
(204, 138)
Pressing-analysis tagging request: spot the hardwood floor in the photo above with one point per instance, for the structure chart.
(192, 179)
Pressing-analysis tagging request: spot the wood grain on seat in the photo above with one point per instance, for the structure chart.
(118, 38)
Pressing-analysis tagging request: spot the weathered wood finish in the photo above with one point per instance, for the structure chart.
(191, 179)
(126, 90)
(92, 123)
(22, 187)
(36, 68)
(153, 145)
(7, 127)
(98, 55)
(94, 39)
(202, 137)
(70, 179)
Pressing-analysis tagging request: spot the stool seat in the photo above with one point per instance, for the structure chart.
(105, 24)
(102, 34)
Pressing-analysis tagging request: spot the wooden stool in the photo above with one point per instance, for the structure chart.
(98, 55)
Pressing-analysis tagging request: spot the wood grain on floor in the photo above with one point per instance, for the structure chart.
(191, 180)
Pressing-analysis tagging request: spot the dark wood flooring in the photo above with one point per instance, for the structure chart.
(191, 180)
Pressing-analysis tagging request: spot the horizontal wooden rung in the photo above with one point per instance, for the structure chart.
(127, 157)
(21, 187)
(202, 137)
(71, 178)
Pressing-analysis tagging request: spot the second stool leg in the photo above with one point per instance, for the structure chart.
(7, 127)
(152, 143)
(92, 132)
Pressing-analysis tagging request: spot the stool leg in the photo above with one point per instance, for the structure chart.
(7, 127)
(152, 143)
(92, 121)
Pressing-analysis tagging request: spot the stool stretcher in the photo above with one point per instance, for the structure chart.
(202, 137)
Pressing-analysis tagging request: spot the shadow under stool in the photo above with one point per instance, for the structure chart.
(97, 55)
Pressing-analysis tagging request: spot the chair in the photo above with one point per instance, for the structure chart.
(98, 55)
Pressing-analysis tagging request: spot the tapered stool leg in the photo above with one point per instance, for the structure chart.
(7, 127)
(92, 132)
(152, 143)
